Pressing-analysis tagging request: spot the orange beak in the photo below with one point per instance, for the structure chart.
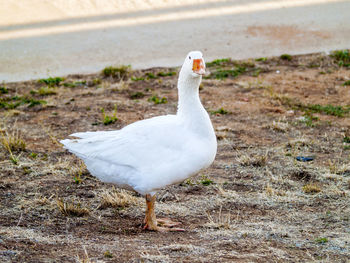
(198, 66)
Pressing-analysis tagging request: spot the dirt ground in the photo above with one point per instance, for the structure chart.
(256, 203)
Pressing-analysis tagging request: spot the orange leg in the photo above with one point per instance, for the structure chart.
(151, 222)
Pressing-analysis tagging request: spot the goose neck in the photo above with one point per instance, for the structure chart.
(188, 90)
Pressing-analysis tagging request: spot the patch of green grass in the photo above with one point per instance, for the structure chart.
(205, 180)
(75, 84)
(80, 83)
(321, 240)
(137, 95)
(346, 83)
(166, 74)
(3, 90)
(121, 72)
(96, 81)
(44, 91)
(137, 78)
(51, 81)
(150, 75)
(295, 104)
(341, 57)
(32, 102)
(218, 62)
(256, 72)
(15, 101)
(346, 147)
(221, 111)
(77, 179)
(108, 254)
(9, 105)
(69, 85)
(346, 139)
(106, 119)
(225, 73)
(26, 170)
(33, 155)
(158, 100)
(14, 159)
(309, 119)
(338, 111)
(286, 57)
(263, 59)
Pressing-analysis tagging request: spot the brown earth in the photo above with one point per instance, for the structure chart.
(256, 203)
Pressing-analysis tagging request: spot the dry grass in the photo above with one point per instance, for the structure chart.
(12, 141)
(311, 188)
(254, 160)
(77, 170)
(85, 258)
(118, 198)
(262, 207)
(221, 221)
(336, 167)
(71, 209)
(280, 126)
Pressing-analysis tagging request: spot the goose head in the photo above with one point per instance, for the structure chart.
(194, 64)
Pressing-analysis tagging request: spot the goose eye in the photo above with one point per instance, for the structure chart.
(189, 57)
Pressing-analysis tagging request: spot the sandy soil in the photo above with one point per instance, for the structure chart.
(256, 203)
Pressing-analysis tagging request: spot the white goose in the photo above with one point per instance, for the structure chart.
(150, 154)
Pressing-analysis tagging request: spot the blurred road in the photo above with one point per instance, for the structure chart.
(40, 38)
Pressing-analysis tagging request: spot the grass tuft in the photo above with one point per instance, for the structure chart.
(286, 57)
(335, 167)
(15, 101)
(255, 160)
(106, 119)
(166, 74)
(120, 73)
(341, 57)
(137, 95)
(262, 59)
(108, 254)
(133, 78)
(158, 100)
(51, 81)
(338, 111)
(346, 83)
(220, 111)
(311, 188)
(44, 91)
(117, 198)
(321, 240)
(225, 73)
(220, 222)
(295, 104)
(3, 90)
(13, 142)
(218, 62)
(309, 119)
(205, 180)
(279, 126)
(71, 209)
(150, 75)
